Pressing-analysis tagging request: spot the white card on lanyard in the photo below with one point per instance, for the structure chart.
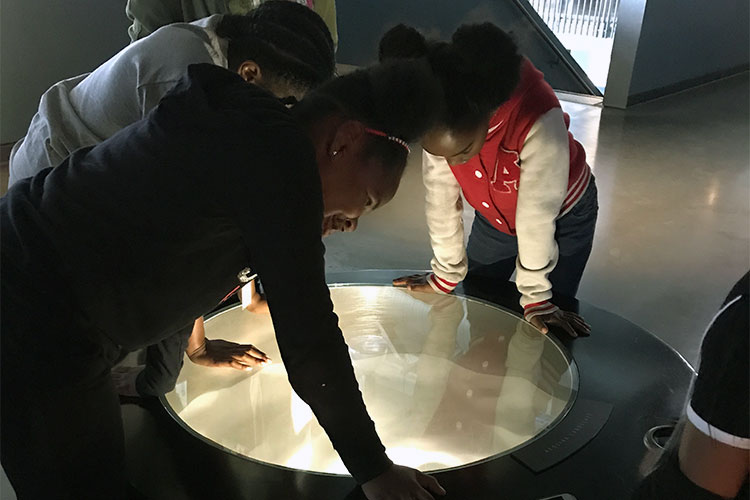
(246, 294)
(247, 291)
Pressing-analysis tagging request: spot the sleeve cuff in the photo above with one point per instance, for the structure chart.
(372, 469)
(440, 285)
(715, 433)
(537, 308)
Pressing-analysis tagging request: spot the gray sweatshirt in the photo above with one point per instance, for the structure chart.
(87, 109)
(149, 15)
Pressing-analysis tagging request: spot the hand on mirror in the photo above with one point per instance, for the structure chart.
(402, 483)
(415, 283)
(572, 323)
(224, 354)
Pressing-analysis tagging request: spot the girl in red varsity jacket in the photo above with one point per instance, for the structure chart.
(503, 141)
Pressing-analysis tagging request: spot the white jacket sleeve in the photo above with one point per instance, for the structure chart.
(545, 165)
(444, 209)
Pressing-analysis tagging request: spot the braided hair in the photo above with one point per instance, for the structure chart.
(288, 40)
(478, 69)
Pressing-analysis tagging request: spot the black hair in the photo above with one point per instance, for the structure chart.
(288, 41)
(478, 69)
(399, 98)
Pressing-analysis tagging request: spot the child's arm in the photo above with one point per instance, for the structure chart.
(714, 466)
(545, 166)
(444, 210)
(542, 187)
(714, 450)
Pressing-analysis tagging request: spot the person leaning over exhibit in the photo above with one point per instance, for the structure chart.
(708, 455)
(127, 242)
(164, 360)
(149, 15)
(282, 46)
(503, 142)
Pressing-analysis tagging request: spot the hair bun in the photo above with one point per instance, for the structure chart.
(406, 97)
(402, 42)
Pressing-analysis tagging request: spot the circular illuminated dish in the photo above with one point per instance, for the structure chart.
(448, 380)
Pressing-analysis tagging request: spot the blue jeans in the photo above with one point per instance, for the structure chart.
(492, 253)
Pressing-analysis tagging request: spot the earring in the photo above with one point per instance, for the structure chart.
(334, 153)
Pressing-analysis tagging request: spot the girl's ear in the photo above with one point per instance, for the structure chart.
(348, 138)
(250, 72)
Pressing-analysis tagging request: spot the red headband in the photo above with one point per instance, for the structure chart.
(398, 141)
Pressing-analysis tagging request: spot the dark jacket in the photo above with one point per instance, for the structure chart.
(150, 228)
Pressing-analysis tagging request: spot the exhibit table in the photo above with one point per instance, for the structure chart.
(459, 386)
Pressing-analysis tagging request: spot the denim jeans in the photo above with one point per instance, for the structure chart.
(492, 253)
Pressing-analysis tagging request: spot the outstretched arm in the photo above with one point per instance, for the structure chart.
(545, 166)
(444, 212)
(221, 353)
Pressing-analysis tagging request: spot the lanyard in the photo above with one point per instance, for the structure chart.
(245, 276)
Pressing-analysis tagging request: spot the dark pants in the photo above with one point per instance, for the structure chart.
(61, 432)
(492, 253)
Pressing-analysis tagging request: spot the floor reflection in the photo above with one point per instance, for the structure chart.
(447, 380)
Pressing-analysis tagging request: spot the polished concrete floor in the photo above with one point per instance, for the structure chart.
(672, 236)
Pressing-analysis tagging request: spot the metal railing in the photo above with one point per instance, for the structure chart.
(595, 18)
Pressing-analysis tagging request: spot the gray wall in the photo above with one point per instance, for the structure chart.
(44, 41)
(683, 41)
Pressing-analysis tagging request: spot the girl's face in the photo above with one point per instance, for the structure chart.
(354, 183)
(457, 147)
(352, 189)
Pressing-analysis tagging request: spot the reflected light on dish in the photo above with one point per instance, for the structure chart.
(204, 402)
(336, 466)
(368, 345)
(370, 294)
(713, 193)
(415, 377)
(301, 413)
(302, 459)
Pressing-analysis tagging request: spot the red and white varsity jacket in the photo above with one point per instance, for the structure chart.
(530, 172)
